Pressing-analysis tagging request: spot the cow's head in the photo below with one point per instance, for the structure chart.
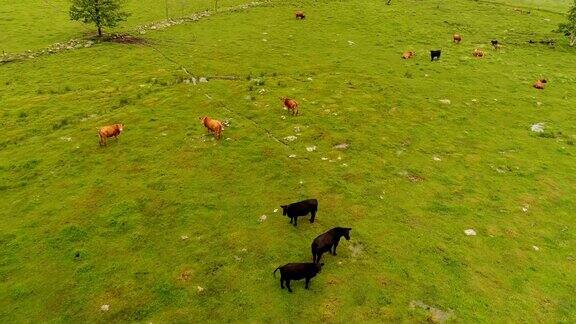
(284, 207)
(202, 119)
(346, 233)
(543, 80)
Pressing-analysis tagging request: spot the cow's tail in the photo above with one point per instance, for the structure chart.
(275, 272)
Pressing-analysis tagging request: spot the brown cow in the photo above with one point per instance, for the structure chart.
(291, 105)
(110, 131)
(300, 15)
(539, 84)
(457, 38)
(213, 125)
(478, 53)
(408, 55)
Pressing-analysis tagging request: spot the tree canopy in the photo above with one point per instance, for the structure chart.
(102, 13)
(569, 27)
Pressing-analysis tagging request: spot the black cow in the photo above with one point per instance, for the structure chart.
(297, 271)
(302, 208)
(435, 54)
(328, 242)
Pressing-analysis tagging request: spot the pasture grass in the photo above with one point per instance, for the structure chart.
(83, 226)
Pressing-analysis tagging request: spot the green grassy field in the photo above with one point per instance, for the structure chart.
(36, 24)
(84, 226)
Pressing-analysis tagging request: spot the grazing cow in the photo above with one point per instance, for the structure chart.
(435, 55)
(297, 271)
(478, 53)
(302, 208)
(300, 15)
(408, 55)
(110, 131)
(495, 44)
(213, 125)
(328, 242)
(291, 105)
(457, 38)
(539, 84)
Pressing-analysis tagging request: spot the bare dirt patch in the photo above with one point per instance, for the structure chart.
(435, 315)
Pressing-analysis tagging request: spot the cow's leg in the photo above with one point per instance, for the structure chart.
(282, 282)
(295, 221)
(290, 220)
(318, 256)
(335, 245)
(307, 282)
(313, 216)
(288, 285)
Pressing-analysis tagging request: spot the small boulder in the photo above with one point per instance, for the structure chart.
(470, 232)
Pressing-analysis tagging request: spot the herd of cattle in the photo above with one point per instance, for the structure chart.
(328, 241)
(457, 38)
(215, 126)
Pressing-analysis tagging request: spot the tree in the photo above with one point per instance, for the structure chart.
(569, 27)
(102, 13)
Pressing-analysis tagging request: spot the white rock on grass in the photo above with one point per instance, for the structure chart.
(445, 101)
(311, 148)
(436, 158)
(470, 232)
(290, 138)
(341, 146)
(537, 128)
(263, 218)
(184, 237)
(105, 307)
(276, 210)
(535, 248)
(200, 289)
(292, 156)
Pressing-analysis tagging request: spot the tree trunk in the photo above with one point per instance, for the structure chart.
(97, 13)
